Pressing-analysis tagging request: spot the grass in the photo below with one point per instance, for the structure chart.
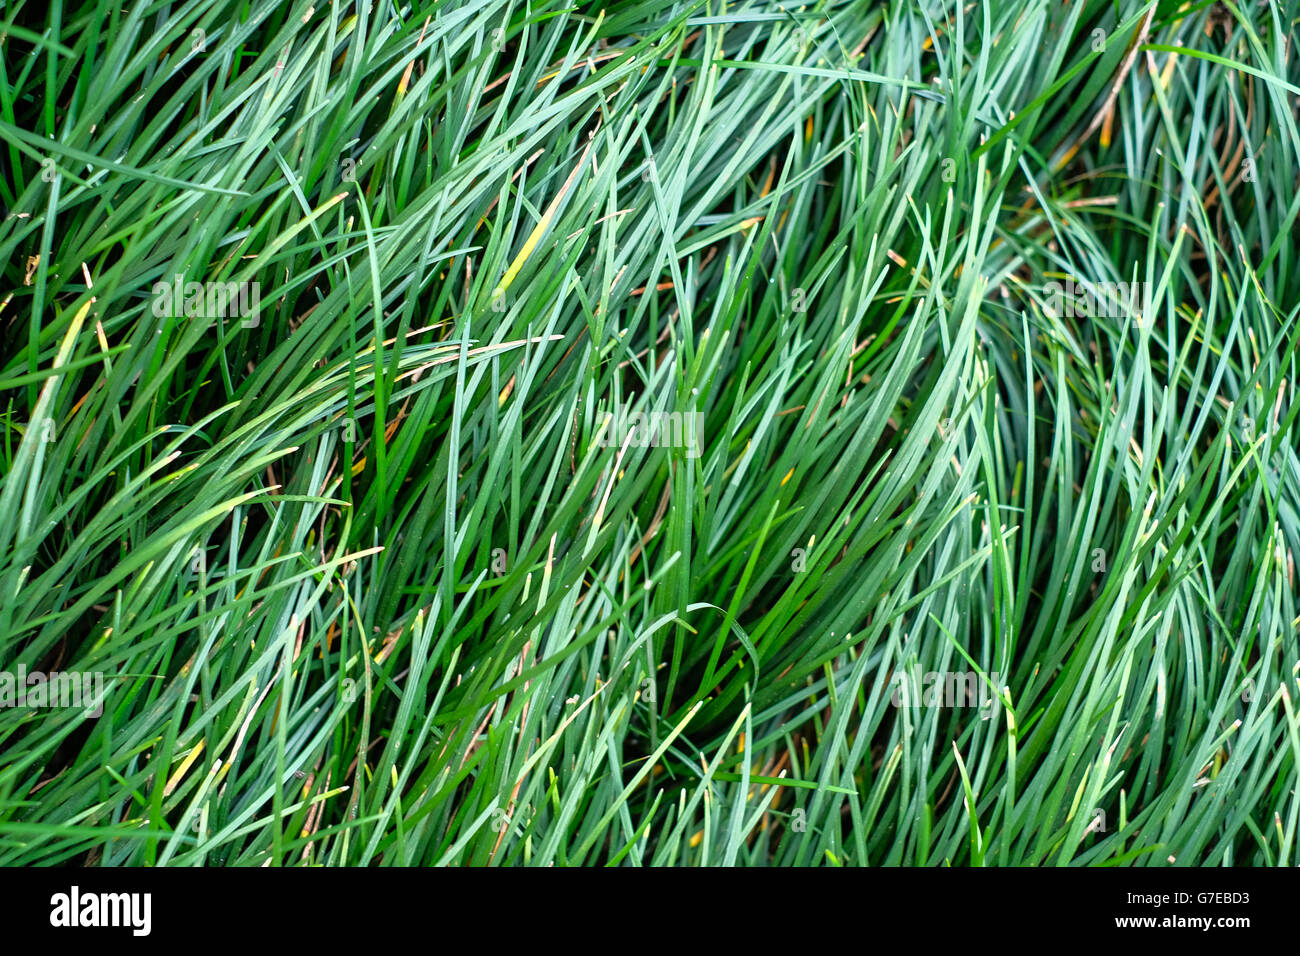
(370, 583)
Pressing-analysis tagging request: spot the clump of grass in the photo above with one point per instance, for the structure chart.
(968, 558)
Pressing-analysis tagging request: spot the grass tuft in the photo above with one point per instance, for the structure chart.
(671, 433)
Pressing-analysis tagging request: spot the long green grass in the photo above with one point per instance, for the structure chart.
(368, 579)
